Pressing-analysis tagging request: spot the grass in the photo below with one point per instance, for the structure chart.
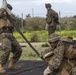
(64, 34)
(42, 35)
(26, 55)
(29, 55)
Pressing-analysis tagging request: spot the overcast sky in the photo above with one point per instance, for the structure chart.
(66, 7)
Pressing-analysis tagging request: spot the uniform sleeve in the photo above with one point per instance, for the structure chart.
(55, 17)
(56, 60)
(12, 19)
(43, 52)
(49, 17)
(12, 16)
(1, 13)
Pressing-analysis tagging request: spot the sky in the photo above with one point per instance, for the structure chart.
(37, 7)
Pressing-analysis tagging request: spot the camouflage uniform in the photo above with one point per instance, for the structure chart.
(9, 43)
(60, 59)
(51, 19)
(68, 65)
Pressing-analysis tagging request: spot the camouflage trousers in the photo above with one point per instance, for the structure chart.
(51, 29)
(9, 44)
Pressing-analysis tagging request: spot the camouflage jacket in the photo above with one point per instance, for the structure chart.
(64, 52)
(56, 58)
(52, 18)
(6, 21)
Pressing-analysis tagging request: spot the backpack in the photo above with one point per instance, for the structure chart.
(70, 49)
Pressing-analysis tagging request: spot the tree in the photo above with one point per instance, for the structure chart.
(35, 23)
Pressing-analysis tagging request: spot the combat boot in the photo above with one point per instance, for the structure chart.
(2, 70)
(13, 66)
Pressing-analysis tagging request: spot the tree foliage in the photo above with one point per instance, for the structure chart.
(38, 23)
(35, 23)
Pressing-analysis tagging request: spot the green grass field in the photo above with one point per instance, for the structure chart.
(42, 35)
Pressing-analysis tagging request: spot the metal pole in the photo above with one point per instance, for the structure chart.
(32, 12)
(22, 25)
(28, 42)
(59, 16)
(59, 22)
(22, 21)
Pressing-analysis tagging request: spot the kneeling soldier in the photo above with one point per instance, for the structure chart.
(60, 56)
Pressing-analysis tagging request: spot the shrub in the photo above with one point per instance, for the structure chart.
(34, 38)
(45, 45)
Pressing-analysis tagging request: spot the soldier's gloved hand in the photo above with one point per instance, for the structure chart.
(43, 58)
(46, 60)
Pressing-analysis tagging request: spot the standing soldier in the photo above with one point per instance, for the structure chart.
(60, 57)
(51, 19)
(9, 43)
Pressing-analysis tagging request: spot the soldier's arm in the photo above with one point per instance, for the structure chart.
(49, 17)
(47, 54)
(45, 51)
(55, 16)
(12, 18)
(2, 13)
(56, 60)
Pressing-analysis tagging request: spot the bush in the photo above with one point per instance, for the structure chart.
(34, 38)
(45, 45)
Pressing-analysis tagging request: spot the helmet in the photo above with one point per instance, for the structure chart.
(9, 6)
(69, 39)
(53, 37)
(48, 5)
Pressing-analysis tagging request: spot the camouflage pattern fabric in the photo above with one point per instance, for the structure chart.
(52, 21)
(52, 17)
(55, 60)
(51, 29)
(69, 62)
(46, 60)
(10, 44)
(63, 60)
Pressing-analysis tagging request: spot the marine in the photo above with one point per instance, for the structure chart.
(60, 56)
(51, 19)
(9, 42)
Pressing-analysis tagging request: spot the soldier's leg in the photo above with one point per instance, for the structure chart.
(6, 45)
(51, 29)
(17, 51)
(47, 71)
